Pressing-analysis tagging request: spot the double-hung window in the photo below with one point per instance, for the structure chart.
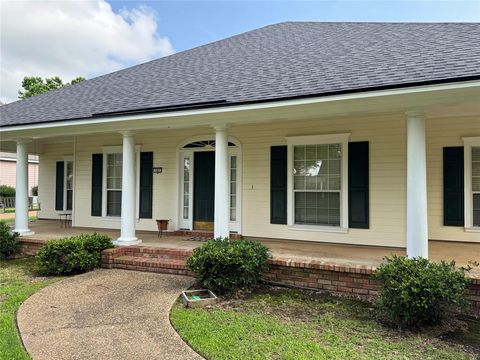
(68, 185)
(476, 185)
(472, 182)
(114, 184)
(317, 181)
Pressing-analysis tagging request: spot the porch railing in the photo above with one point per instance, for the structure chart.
(8, 202)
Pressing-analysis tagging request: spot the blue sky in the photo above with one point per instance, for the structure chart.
(191, 23)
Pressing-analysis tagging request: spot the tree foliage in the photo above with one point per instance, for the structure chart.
(35, 85)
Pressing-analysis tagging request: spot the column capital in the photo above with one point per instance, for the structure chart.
(23, 140)
(127, 133)
(220, 127)
(416, 113)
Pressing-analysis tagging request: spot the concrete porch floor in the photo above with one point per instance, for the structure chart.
(461, 252)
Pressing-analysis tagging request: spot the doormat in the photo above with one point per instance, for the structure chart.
(198, 238)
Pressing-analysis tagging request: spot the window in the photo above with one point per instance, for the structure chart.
(186, 187)
(476, 185)
(318, 181)
(233, 188)
(472, 182)
(68, 185)
(114, 184)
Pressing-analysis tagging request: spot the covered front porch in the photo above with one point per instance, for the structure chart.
(340, 254)
(388, 176)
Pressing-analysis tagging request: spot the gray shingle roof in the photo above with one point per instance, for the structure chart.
(293, 59)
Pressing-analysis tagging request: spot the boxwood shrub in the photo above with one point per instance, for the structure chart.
(417, 292)
(225, 265)
(72, 255)
(7, 191)
(8, 241)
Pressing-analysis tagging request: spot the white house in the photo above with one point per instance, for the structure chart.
(351, 133)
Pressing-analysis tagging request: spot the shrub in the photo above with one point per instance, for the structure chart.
(8, 241)
(35, 190)
(72, 255)
(225, 265)
(418, 292)
(7, 191)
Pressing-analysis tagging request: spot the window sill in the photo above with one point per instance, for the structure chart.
(112, 218)
(326, 229)
(473, 229)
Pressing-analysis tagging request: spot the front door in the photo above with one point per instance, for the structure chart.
(204, 190)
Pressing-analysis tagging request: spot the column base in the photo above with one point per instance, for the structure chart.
(24, 232)
(127, 241)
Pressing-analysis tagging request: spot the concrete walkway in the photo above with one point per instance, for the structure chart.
(105, 314)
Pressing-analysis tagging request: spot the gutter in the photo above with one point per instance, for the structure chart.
(222, 106)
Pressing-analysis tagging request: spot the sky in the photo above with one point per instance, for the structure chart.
(93, 37)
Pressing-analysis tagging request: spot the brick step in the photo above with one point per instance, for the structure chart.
(159, 265)
(156, 252)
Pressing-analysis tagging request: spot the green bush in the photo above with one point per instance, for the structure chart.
(225, 265)
(72, 255)
(8, 241)
(35, 190)
(417, 292)
(7, 191)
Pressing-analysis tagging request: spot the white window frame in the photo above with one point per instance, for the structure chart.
(119, 150)
(342, 139)
(468, 144)
(67, 159)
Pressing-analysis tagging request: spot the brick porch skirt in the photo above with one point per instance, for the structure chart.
(347, 280)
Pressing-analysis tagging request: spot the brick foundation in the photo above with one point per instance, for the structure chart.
(30, 246)
(349, 280)
(319, 275)
(354, 280)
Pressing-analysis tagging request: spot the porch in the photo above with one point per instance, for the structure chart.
(339, 254)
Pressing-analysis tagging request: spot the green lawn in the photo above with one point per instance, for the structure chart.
(288, 324)
(17, 283)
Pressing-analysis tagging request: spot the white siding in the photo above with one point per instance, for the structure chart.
(51, 153)
(164, 145)
(385, 133)
(441, 133)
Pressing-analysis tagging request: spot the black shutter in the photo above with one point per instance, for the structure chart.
(358, 185)
(97, 169)
(453, 186)
(146, 184)
(59, 185)
(278, 185)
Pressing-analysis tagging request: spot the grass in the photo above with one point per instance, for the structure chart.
(288, 324)
(17, 283)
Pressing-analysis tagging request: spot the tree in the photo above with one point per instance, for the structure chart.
(35, 85)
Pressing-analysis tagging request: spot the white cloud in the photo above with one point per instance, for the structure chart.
(73, 38)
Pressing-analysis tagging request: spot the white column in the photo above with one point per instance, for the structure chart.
(127, 229)
(21, 190)
(417, 223)
(222, 201)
